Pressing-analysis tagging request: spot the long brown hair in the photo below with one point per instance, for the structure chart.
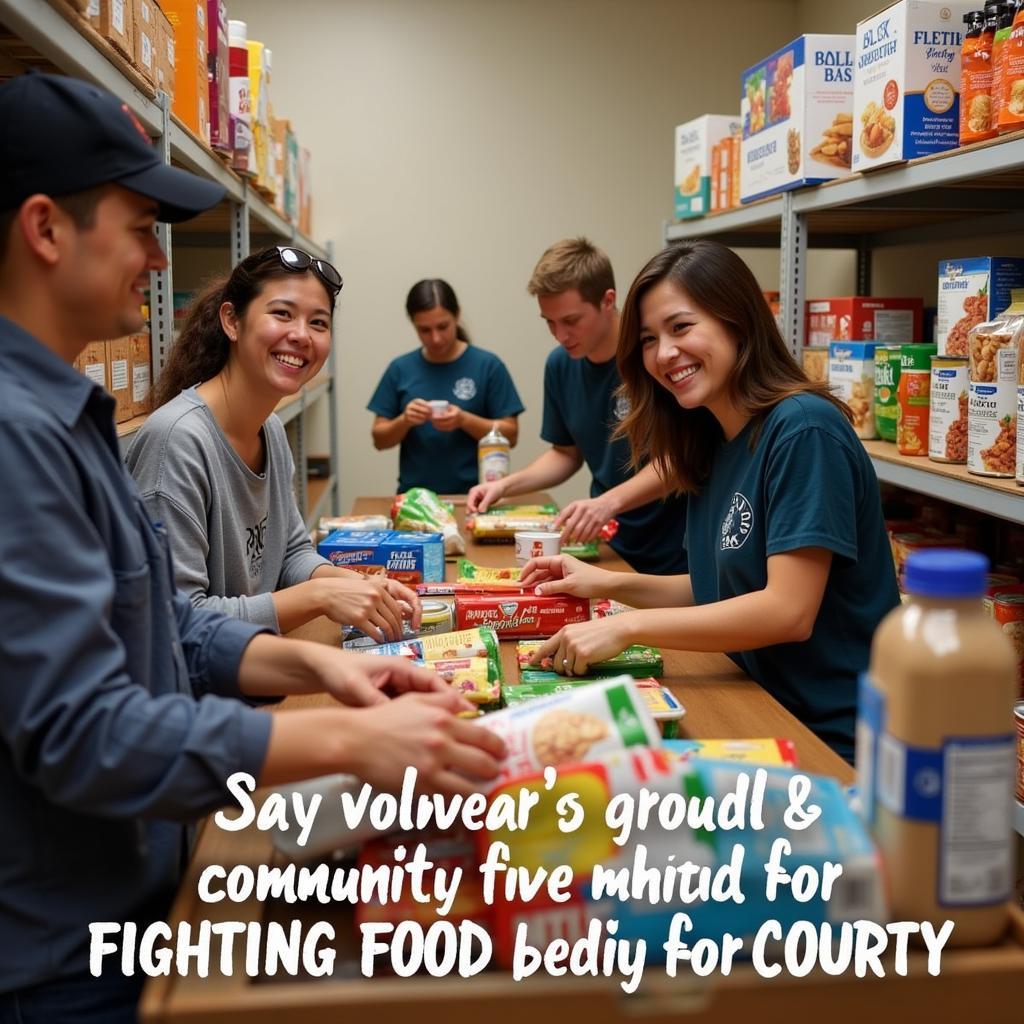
(202, 349)
(681, 442)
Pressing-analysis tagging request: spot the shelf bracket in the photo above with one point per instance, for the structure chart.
(792, 274)
(161, 284)
(240, 242)
(863, 265)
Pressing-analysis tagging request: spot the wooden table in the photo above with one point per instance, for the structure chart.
(721, 702)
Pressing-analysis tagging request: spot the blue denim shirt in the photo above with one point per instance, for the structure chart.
(120, 716)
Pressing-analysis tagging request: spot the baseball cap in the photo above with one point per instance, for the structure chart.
(62, 135)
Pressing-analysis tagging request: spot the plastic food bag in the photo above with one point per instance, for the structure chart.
(421, 511)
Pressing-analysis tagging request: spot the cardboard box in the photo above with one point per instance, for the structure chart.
(94, 363)
(851, 376)
(291, 176)
(972, 291)
(907, 82)
(118, 362)
(278, 146)
(165, 52)
(191, 82)
(407, 557)
(797, 115)
(217, 73)
(145, 49)
(856, 317)
(140, 369)
(115, 21)
(305, 193)
(735, 145)
(695, 142)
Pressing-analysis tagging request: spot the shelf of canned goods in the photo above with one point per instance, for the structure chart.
(47, 38)
(957, 194)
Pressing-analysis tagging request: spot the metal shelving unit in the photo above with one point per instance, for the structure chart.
(965, 192)
(49, 38)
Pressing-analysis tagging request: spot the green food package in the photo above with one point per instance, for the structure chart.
(588, 552)
(637, 660)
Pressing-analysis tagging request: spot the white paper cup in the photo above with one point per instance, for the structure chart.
(438, 407)
(535, 544)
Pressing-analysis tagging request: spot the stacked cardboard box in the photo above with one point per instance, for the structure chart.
(191, 78)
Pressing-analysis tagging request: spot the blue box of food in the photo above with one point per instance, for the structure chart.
(406, 557)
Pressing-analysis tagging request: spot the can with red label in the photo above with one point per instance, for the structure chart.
(1018, 718)
(1008, 611)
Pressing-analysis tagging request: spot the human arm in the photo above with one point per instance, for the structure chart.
(549, 469)
(563, 574)
(783, 611)
(387, 432)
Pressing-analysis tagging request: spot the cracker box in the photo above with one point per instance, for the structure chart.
(520, 615)
(694, 180)
(907, 82)
(851, 376)
(971, 292)
(408, 557)
(797, 112)
(892, 321)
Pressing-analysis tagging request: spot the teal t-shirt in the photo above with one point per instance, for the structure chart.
(807, 483)
(580, 408)
(444, 461)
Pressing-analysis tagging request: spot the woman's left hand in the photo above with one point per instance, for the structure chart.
(450, 420)
(408, 600)
(573, 649)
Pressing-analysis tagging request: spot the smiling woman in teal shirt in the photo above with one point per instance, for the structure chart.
(790, 570)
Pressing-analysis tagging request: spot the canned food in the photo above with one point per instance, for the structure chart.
(1018, 717)
(1008, 612)
(887, 380)
(999, 583)
(904, 543)
(437, 617)
(947, 414)
(1019, 456)
(913, 397)
(991, 429)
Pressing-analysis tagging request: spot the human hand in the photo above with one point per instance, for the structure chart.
(408, 601)
(367, 602)
(573, 649)
(362, 680)
(581, 521)
(483, 496)
(451, 755)
(563, 574)
(416, 412)
(450, 420)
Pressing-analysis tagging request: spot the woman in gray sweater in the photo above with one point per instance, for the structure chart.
(213, 463)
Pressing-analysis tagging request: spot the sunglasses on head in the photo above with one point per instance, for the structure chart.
(299, 260)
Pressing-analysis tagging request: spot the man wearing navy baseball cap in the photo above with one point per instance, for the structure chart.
(123, 709)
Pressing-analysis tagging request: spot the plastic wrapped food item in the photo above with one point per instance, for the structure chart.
(589, 552)
(521, 615)
(464, 643)
(477, 679)
(470, 572)
(422, 511)
(353, 524)
(636, 660)
(774, 751)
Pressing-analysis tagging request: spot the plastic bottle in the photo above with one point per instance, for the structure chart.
(239, 108)
(935, 751)
(494, 456)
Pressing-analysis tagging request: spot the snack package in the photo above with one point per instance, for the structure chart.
(465, 643)
(772, 751)
(353, 524)
(521, 615)
(477, 679)
(421, 511)
(446, 591)
(604, 607)
(589, 552)
(407, 557)
(636, 660)
(470, 572)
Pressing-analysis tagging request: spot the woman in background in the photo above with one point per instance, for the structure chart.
(439, 443)
(790, 566)
(213, 462)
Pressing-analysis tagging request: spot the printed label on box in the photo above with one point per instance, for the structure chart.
(695, 141)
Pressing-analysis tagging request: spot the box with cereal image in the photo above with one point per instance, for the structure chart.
(695, 141)
(797, 113)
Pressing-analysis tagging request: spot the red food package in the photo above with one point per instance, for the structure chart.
(520, 615)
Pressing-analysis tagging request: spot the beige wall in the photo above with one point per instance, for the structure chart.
(458, 138)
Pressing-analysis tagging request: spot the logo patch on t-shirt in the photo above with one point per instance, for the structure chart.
(464, 388)
(621, 408)
(255, 536)
(737, 523)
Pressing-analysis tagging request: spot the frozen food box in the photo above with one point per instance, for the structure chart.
(408, 557)
(907, 82)
(797, 113)
(695, 141)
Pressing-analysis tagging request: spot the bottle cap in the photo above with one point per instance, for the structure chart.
(945, 572)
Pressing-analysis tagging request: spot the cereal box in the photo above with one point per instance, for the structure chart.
(972, 291)
(693, 177)
(907, 82)
(797, 113)
(408, 557)
(894, 321)
(851, 375)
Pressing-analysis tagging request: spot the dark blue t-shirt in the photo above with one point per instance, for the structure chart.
(808, 483)
(444, 461)
(580, 409)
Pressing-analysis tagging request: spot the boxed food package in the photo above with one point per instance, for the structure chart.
(520, 615)
(139, 354)
(972, 291)
(119, 362)
(852, 317)
(217, 74)
(259, 69)
(907, 82)
(814, 359)
(115, 21)
(278, 144)
(407, 557)
(757, 751)
(291, 176)
(239, 104)
(145, 47)
(851, 376)
(94, 363)
(165, 61)
(305, 192)
(797, 112)
(695, 142)
(191, 78)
